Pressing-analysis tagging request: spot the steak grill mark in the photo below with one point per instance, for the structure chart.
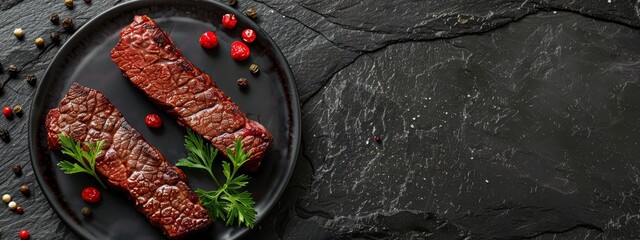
(128, 162)
(148, 57)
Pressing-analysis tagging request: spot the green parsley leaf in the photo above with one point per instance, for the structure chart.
(228, 202)
(86, 160)
(200, 156)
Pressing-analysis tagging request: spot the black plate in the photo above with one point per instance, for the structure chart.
(271, 99)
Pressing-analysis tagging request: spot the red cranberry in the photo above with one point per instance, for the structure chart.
(239, 51)
(229, 21)
(91, 194)
(153, 120)
(208, 40)
(7, 111)
(24, 234)
(248, 35)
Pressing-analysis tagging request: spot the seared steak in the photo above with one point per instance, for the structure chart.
(147, 55)
(128, 162)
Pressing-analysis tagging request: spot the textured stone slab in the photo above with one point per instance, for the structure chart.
(527, 129)
(525, 117)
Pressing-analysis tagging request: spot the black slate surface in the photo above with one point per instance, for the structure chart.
(499, 119)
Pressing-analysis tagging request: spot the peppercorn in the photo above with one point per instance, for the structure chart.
(378, 138)
(55, 37)
(31, 79)
(87, 1)
(18, 33)
(17, 110)
(1, 68)
(39, 42)
(86, 211)
(254, 68)
(252, 13)
(67, 23)
(12, 205)
(12, 70)
(17, 169)
(6, 198)
(68, 3)
(4, 135)
(24, 189)
(243, 83)
(232, 3)
(19, 209)
(54, 18)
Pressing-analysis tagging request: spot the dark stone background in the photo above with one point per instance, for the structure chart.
(500, 119)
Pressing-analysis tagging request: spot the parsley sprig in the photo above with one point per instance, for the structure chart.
(86, 160)
(229, 202)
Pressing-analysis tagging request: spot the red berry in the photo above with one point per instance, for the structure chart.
(91, 194)
(229, 21)
(239, 51)
(153, 120)
(248, 35)
(208, 40)
(24, 234)
(7, 111)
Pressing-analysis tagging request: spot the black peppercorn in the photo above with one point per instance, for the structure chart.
(67, 23)
(254, 68)
(24, 189)
(31, 79)
(12, 70)
(232, 3)
(54, 18)
(243, 83)
(86, 211)
(4, 135)
(252, 13)
(55, 37)
(17, 169)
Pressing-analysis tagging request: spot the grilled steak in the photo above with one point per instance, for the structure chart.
(147, 55)
(128, 162)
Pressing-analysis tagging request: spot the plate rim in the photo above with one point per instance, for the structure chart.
(66, 48)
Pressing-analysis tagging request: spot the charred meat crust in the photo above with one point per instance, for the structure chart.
(128, 162)
(147, 55)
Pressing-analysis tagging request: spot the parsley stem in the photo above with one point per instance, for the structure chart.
(213, 176)
(97, 178)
